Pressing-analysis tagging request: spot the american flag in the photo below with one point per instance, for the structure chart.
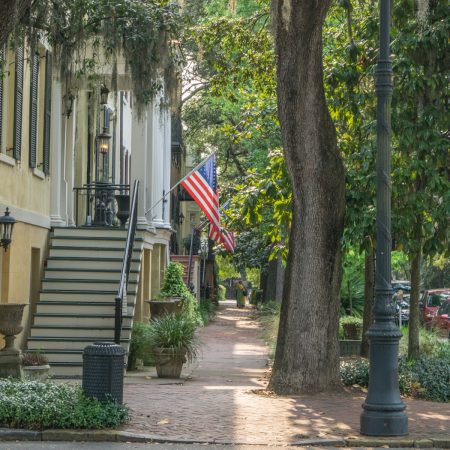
(224, 237)
(202, 187)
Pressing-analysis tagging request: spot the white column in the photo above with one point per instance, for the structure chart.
(157, 152)
(70, 161)
(139, 157)
(167, 164)
(56, 169)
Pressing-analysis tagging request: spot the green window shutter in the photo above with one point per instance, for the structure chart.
(18, 104)
(47, 111)
(34, 90)
(2, 69)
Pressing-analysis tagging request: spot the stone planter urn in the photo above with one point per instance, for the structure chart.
(165, 306)
(123, 208)
(11, 322)
(168, 362)
(38, 373)
(10, 326)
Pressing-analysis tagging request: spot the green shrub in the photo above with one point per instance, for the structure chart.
(269, 308)
(191, 308)
(355, 372)
(427, 378)
(221, 292)
(429, 343)
(433, 375)
(173, 285)
(139, 345)
(351, 326)
(37, 405)
(207, 310)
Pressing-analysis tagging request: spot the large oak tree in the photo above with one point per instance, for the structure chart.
(307, 357)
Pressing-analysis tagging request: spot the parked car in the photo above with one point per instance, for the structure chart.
(441, 320)
(404, 285)
(430, 302)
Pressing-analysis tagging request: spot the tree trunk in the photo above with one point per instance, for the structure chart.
(369, 292)
(414, 310)
(11, 11)
(307, 354)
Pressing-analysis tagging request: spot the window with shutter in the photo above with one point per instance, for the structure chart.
(47, 111)
(34, 92)
(18, 104)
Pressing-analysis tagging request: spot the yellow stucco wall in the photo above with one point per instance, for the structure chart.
(17, 269)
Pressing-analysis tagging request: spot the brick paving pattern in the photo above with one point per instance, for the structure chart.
(224, 397)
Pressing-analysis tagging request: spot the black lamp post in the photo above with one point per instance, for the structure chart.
(6, 228)
(384, 412)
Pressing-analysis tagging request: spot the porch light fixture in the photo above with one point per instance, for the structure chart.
(6, 227)
(68, 103)
(180, 218)
(103, 141)
(104, 91)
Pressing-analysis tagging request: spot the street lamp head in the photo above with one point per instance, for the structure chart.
(6, 227)
(104, 91)
(103, 141)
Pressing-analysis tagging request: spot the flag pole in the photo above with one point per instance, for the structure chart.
(179, 182)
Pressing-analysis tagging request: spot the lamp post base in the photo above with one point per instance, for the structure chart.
(383, 422)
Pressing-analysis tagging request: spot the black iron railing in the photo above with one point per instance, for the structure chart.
(102, 204)
(121, 297)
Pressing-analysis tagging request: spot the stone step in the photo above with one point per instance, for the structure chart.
(88, 252)
(95, 242)
(90, 263)
(82, 307)
(93, 274)
(90, 232)
(70, 331)
(62, 343)
(78, 319)
(86, 285)
(79, 295)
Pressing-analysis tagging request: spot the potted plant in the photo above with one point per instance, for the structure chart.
(351, 330)
(173, 342)
(169, 299)
(35, 366)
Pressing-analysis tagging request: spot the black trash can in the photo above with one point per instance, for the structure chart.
(103, 371)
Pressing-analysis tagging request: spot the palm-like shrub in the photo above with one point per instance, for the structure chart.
(175, 333)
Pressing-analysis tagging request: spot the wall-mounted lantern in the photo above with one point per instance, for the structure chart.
(104, 91)
(180, 218)
(68, 104)
(6, 227)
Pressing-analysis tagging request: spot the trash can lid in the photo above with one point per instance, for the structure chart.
(104, 348)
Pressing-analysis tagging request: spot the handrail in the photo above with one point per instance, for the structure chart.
(123, 285)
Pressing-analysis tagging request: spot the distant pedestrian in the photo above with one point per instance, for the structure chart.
(240, 297)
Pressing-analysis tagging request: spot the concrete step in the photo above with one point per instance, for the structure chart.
(95, 242)
(88, 252)
(82, 307)
(90, 263)
(86, 285)
(59, 343)
(66, 369)
(93, 274)
(78, 319)
(90, 232)
(105, 333)
(78, 295)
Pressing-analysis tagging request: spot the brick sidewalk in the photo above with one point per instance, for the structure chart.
(224, 400)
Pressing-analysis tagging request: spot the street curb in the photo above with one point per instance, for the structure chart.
(12, 434)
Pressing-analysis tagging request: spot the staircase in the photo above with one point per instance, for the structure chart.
(184, 261)
(76, 306)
